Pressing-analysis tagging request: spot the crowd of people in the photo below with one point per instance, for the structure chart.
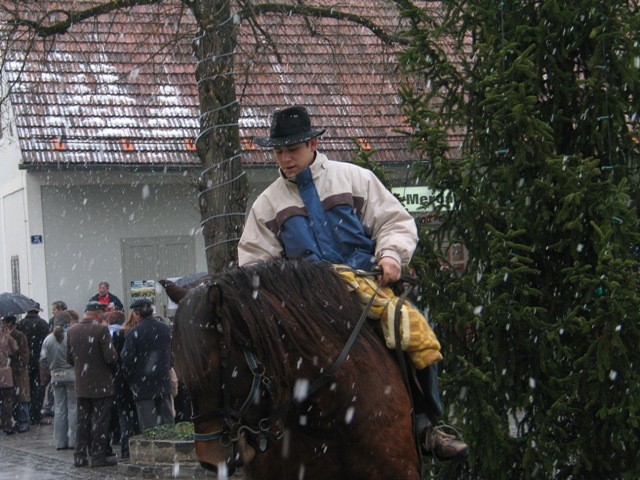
(102, 376)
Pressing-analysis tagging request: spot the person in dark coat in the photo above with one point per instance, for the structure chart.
(90, 351)
(146, 360)
(125, 406)
(36, 329)
(20, 369)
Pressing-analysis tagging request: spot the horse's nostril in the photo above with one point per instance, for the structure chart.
(209, 466)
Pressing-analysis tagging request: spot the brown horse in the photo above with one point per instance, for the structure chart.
(255, 347)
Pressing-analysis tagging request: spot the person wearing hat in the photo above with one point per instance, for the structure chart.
(338, 212)
(321, 209)
(146, 362)
(36, 329)
(90, 351)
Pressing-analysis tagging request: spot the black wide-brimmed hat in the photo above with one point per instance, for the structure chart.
(289, 126)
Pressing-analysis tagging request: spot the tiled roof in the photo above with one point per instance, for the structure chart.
(121, 89)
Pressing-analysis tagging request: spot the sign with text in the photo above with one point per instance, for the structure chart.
(415, 198)
(144, 289)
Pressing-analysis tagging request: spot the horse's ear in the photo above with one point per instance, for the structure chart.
(174, 291)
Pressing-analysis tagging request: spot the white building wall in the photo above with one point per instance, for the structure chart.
(13, 214)
(83, 217)
(12, 237)
(84, 226)
(36, 266)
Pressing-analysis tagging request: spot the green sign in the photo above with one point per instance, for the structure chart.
(414, 198)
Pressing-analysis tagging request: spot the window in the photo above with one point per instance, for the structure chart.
(457, 256)
(15, 274)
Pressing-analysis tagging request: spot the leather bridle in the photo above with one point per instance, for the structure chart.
(234, 420)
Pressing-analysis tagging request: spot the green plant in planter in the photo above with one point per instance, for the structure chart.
(179, 431)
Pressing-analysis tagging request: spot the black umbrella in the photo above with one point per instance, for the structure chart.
(15, 304)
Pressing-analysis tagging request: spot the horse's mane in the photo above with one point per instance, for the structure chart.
(291, 312)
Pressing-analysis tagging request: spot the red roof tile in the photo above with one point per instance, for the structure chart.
(131, 75)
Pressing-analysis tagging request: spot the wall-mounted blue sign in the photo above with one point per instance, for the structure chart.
(36, 239)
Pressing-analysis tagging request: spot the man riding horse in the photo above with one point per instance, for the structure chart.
(323, 210)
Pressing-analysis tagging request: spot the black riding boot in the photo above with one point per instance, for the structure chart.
(424, 389)
(426, 400)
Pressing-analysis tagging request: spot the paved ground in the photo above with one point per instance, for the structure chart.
(33, 456)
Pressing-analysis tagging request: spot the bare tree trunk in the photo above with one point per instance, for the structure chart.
(222, 187)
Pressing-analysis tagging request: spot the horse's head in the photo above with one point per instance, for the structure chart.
(224, 379)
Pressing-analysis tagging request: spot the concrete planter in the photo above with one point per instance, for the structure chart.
(162, 459)
(153, 452)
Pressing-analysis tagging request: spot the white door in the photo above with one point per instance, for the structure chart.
(156, 258)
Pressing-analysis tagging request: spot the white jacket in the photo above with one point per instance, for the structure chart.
(278, 219)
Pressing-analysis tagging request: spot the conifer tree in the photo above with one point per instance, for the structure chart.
(541, 332)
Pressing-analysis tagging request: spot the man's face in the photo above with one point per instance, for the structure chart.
(54, 310)
(102, 289)
(292, 159)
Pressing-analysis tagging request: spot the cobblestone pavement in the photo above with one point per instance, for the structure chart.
(33, 456)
